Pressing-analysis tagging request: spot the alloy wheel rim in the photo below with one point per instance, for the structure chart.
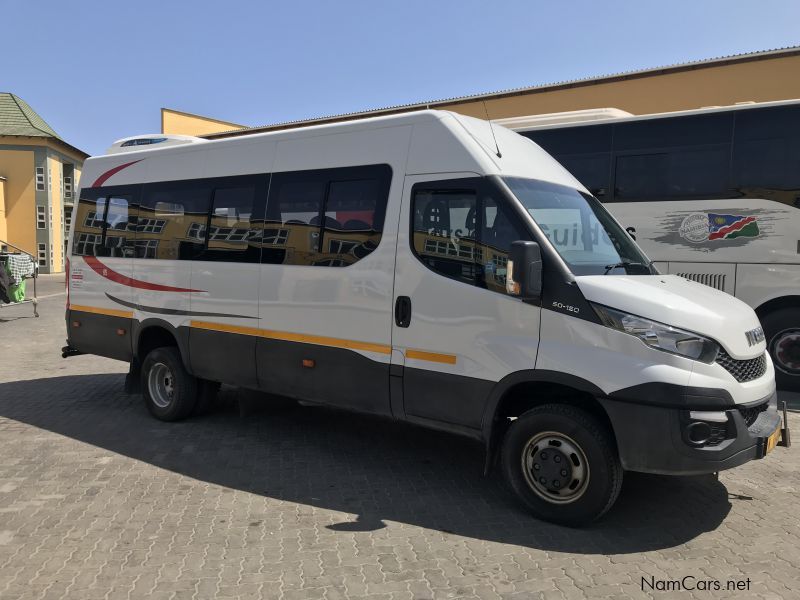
(555, 467)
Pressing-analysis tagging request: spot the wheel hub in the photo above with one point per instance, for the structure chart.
(786, 347)
(161, 385)
(555, 467)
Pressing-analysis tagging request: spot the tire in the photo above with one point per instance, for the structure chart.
(169, 391)
(555, 436)
(782, 332)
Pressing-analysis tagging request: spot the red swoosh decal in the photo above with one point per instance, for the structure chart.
(104, 177)
(108, 273)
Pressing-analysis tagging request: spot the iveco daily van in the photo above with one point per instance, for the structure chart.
(427, 268)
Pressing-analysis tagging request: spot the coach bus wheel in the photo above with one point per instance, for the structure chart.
(782, 330)
(561, 462)
(170, 392)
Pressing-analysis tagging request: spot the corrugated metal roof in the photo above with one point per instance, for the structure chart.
(708, 62)
(18, 118)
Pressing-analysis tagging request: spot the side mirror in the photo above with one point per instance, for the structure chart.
(524, 271)
(631, 232)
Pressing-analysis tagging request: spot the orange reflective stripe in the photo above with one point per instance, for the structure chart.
(112, 312)
(447, 359)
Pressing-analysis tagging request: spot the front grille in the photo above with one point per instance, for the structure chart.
(750, 413)
(743, 370)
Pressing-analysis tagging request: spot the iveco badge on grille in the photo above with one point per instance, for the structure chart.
(754, 336)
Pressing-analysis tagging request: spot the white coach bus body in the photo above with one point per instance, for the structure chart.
(364, 265)
(713, 195)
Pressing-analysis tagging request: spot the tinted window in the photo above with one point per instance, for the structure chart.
(119, 227)
(499, 228)
(766, 153)
(232, 234)
(105, 223)
(573, 140)
(592, 170)
(183, 208)
(89, 219)
(686, 172)
(674, 132)
(330, 218)
(444, 232)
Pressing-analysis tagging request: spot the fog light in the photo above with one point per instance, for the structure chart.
(698, 433)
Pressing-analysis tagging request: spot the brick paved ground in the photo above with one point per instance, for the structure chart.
(98, 500)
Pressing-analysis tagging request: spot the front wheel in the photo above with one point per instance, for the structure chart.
(169, 391)
(562, 463)
(782, 331)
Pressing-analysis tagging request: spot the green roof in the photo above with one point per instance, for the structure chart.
(18, 118)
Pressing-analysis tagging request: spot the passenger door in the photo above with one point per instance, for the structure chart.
(456, 331)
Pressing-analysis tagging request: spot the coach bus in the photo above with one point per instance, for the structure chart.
(713, 195)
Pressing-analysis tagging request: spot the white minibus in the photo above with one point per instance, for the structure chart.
(401, 266)
(713, 195)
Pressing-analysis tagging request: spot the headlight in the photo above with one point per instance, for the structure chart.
(660, 336)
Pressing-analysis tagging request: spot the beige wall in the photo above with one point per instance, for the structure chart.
(56, 236)
(760, 81)
(18, 168)
(176, 122)
(3, 226)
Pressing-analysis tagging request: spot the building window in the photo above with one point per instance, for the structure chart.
(42, 252)
(49, 179)
(67, 188)
(67, 220)
(40, 218)
(39, 179)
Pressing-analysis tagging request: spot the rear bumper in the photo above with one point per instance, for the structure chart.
(655, 439)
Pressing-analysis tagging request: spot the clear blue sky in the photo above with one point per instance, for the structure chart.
(101, 70)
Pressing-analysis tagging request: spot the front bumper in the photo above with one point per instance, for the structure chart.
(653, 438)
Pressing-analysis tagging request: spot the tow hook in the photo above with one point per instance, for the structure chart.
(786, 438)
(68, 351)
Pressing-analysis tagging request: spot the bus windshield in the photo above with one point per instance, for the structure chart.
(588, 239)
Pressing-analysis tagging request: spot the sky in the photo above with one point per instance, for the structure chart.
(98, 70)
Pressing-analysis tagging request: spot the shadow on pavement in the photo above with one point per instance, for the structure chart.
(374, 468)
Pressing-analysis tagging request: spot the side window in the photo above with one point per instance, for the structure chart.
(444, 232)
(119, 230)
(325, 218)
(353, 221)
(231, 234)
(89, 215)
(172, 220)
(499, 228)
(291, 230)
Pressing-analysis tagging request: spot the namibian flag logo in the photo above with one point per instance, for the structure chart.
(728, 227)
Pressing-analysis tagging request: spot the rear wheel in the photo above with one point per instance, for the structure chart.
(561, 462)
(169, 391)
(782, 330)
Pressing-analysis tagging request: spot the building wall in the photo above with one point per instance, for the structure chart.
(19, 158)
(3, 225)
(760, 81)
(176, 122)
(17, 166)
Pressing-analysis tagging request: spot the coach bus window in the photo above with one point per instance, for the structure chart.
(183, 207)
(444, 232)
(766, 153)
(230, 235)
(677, 173)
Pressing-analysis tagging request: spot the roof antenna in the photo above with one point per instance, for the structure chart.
(491, 128)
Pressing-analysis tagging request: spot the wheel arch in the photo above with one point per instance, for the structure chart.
(778, 303)
(154, 333)
(523, 390)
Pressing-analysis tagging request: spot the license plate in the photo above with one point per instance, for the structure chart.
(772, 441)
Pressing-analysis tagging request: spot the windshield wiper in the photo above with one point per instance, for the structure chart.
(625, 265)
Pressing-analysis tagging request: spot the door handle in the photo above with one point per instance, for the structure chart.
(402, 311)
